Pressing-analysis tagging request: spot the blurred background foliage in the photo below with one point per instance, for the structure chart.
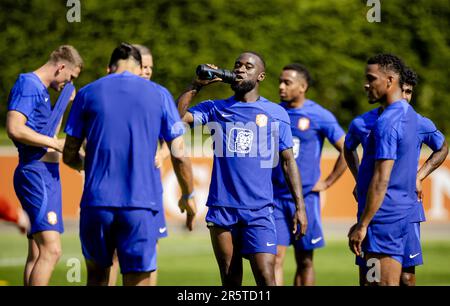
(331, 37)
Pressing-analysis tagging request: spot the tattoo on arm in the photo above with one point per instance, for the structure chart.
(71, 155)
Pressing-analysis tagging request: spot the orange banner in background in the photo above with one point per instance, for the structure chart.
(337, 202)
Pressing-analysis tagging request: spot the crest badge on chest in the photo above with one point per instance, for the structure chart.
(261, 120)
(303, 124)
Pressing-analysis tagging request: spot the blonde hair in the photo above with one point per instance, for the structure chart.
(67, 53)
(143, 49)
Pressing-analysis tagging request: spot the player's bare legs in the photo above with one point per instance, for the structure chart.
(279, 263)
(33, 254)
(408, 277)
(390, 270)
(154, 274)
(114, 270)
(49, 246)
(136, 279)
(263, 267)
(304, 276)
(96, 275)
(228, 257)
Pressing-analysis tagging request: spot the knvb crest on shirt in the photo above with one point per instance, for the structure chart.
(303, 124)
(240, 140)
(261, 120)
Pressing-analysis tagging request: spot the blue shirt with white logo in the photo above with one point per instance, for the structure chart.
(247, 139)
(310, 125)
(122, 116)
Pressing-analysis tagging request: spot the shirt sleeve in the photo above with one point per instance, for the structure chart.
(23, 98)
(352, 140)
(386, 140)
(330, 128)
(172, 126)
(202, 112)
(430, 135)
(76, 123)
(285, 141)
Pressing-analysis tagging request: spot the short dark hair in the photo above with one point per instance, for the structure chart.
(410, 77)
(124, 52)
(301, 69)
(263, 62)
(389, 62)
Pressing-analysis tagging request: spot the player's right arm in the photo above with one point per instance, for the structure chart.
(294, 182)
(71, 153)
(185, 99)
(18, 131)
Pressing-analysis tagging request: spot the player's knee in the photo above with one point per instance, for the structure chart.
(51, 252)
(305, 263)
(279, 261)
(407, 279)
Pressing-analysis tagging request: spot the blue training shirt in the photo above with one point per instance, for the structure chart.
(247, 139)
(310, 125)
(121, 116)
(30, 97)
(360, 132)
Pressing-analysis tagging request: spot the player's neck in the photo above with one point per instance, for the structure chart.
(392, 98)
(297, 103)
(45, 74)
(251, 96)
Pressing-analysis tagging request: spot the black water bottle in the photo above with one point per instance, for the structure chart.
(205, 72)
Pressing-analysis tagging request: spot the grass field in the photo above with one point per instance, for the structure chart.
(187, 260)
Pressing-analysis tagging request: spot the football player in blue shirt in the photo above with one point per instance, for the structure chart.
(249, 131)
(32, 123)
(310, 125)
(121, 117)
(162, 154)
(382, 227)
(359, 133)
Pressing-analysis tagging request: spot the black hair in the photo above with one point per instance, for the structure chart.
(124, 52)
(410, 77)
(263, 62)
(389, 62)
(301, 69)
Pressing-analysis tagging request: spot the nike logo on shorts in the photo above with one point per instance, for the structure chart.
(412, 256)
(162, 229)
(314, 241)
(270, 244)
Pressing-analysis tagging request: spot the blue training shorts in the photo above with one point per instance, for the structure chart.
(129, 230)
(38, 188)
(284, 213)
(253, 230)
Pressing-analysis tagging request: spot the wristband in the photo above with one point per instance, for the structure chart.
(188, 196)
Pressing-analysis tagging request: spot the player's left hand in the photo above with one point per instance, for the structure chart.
(419, 190)
(356, 235)
(320, 186)
(190, 207)
(301, 220)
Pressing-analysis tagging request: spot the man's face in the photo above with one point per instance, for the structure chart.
(376, 83)
(249, 71)
(147, 66)
(65, 73)
(292, 85)
(407, 91)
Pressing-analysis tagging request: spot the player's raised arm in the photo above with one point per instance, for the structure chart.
(184, 100)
